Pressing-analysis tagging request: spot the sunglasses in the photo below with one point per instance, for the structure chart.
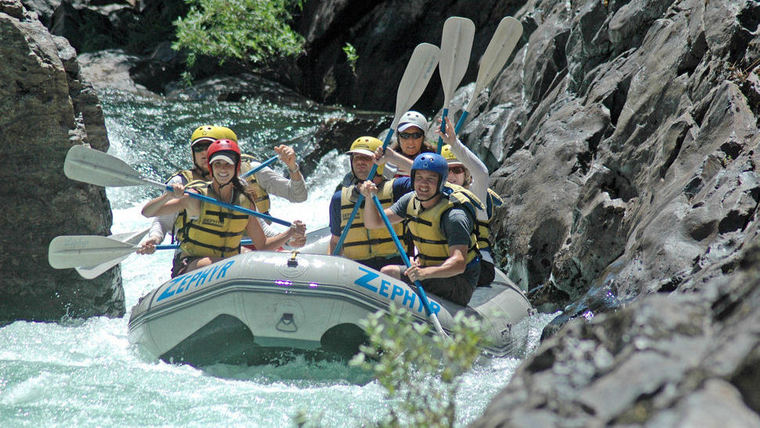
(456, 170)
(200, 148)
(408, 135)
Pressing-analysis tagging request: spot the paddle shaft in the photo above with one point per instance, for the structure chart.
(400, 248)
(220, 203)
(260, 167)
(443, 129)
(175, 246)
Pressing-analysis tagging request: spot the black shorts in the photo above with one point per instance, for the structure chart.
(377, 263)
(487, 273)
(457, 289)
(180, 263)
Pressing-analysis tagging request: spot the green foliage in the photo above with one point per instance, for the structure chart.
(351, 56)
(419, 373)
(251, 31)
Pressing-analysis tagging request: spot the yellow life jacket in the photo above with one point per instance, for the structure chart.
(217, 231)
(484, 226)
(188, 176)
(425, 225)
(259, 195)
(362, 243)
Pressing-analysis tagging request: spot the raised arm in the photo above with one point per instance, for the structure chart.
(477, 168)
(171, 202)
(403, 163)
(293, 189)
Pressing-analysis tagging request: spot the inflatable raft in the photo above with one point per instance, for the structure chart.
(250, 308)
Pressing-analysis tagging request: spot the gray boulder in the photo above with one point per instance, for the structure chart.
(45, 109)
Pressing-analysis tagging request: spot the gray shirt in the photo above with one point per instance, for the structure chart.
(456, 224)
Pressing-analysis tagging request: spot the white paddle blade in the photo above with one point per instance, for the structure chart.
(456, 46)
(134, 238)
(130, 237)
(101, 169)
(82, 250)
(416, 76)
(499, 49)
(96, 271)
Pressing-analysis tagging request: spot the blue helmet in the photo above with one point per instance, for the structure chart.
(431, 162)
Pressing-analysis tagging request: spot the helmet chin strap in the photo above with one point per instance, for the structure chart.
(425, 200)
(221, 186)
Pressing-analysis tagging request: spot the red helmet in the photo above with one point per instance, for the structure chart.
(224, 149)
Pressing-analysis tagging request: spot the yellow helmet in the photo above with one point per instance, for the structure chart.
(211, 133)
(367, 146)
(449, 155)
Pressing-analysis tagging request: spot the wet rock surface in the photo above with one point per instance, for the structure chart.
(46, 109)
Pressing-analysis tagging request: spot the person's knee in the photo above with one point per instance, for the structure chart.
(392, 270)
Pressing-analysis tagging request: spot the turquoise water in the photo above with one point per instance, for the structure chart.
(85, 373)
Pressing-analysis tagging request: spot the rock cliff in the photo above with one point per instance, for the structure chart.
(45, 109)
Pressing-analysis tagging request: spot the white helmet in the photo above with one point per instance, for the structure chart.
(412, 118)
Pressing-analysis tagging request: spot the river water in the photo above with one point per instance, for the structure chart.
(85, 373)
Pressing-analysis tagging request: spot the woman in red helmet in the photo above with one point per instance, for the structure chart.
(215, 232)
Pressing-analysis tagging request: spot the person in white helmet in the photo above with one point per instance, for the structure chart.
(410, 142)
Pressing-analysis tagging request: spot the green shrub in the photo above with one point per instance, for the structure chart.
(251, 31)
(351, 56)
(420, 373)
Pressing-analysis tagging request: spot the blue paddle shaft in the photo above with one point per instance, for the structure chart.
(232, 207)
(460, 122)
(260, 167)
(420, 290)
(175, 246)
(443, 128)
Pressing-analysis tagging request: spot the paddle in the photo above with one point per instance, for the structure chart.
(413, 83)
(420, 290)
(97, 270)
(92, 252)
(456, 45)
(499, 49)
(260, 167)
(99, 168)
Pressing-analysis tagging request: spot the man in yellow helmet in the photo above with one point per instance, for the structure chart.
(373, 248)
(261, 184)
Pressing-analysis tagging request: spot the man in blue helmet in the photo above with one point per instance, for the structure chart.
(441, 220)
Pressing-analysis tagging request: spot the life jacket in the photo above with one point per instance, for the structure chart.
(187, 176)
(483, 232)
(217, 231)
(259, 195)
(362, 243)
(425, 225)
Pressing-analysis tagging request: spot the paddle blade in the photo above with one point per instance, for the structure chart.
(456, 45)
(101, 169)
(96, 271)
(83, 250)
(499, 49)
(416, 76)
(133, 238)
